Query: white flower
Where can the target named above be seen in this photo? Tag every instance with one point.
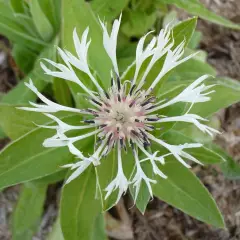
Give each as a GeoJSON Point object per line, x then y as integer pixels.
{"type": "Point", "coordinates": [122, 116]}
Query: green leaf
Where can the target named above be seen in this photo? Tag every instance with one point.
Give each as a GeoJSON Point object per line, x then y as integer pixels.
{"type": "Point", "coordinates": [52, 178]}
{"type": "Point", "coordinates": [28, 212]}
{"type": "Point", "coordinates": [62, 92]}
{"type": "Point", "coordinates": [108, 9]}
{"type": "Point", "coordinates": [17, 6]}
{"type": "Point", "coordinates": [2, 133]}
{"type": "Point", "coordinates": [79, 207]}
{"type": "Point", "coordinates": [183, 31]}
{"type": "Point", "coordinates": [23, 57]}
{"type": "Point", "coordinates": [194, 7]}
{"type": "Point", "coordinates": [80, 15]}
{"type": "Point", "coordinates": [137, 23]}
{"type": "Point", "coordinates": [14, 31]}
{"type": "Point", "coordinates": [20, 163]}
{"type": "Point", "coordinates": [26, 22]}
{"type": "Point", "coordinates": [191, 69]}
{"type": "Point", "coordinates": [16, 123]}
{"type": "Point", "coordinates": [42, 23]}
{"type": "Point", "coordinates": [52, 10]}
{"type": "Point", "coordinates": [21, 94]}
{"type": "Point", "coordinates": [183, 190]}
{"type": "Point", "coordinates": [99, 228]}
{"type": "Point", "coordinates": [195, 40]}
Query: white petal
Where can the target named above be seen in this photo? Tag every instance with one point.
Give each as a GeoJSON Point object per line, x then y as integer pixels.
{"type": "Point", "coordinates": [192, 94]}
{"type": "Point", "coordinates": [120, 180]}
{"type": "Point", "coordinates": [49, 142]}
{"type": "Point", "coordinates": [191, 118]}
{"type": "Point", "coordinates": [177, 150]}
{"type": "Point", "coordinates": [75, 151]}
{"type": "Point", "coordinates": [171, 61]}
{"type": "Point", "coordinates": [142, 55]}
{"type": "Point", "coordinates": [79, 171]}
{"type": "Point", "coordinates": [110, 42]}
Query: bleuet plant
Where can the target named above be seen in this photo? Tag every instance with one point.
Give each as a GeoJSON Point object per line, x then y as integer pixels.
{"type": "Point", "coordinates": [122, 123]}
{"type": "Point", "coordinates": [135, 127]}
{"type": "Point", "coordinates": [126, 116]}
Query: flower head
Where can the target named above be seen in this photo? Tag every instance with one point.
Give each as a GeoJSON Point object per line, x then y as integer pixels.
{"type": "Point", "coordinates": [123, 116]}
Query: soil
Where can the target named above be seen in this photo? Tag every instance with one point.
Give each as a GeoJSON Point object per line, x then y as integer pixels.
{"type": "Point", "coordinates": [161, 221]}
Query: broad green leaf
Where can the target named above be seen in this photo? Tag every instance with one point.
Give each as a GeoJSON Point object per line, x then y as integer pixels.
{"type": "Point", "coordinates": [183, 190]}
{"type": "Point", "coordinates": [137, 23]}
{"type": "Point", "coordinates": [42, 23]}
{"type": "Point", "coordinates": [14, 31]}
{"type": "Point", "coordinates": [79, 207]}
{"type": "Point", "coordinates": [26, 22]}
{"type": "Point", "coordinates": [126, 52]}
{"type": "Point", "coordinates": [78, 13]}
{"type": "Point", "coordinates": [108, 9]}
{"type": "Point", "coordinates": [16, 123]}
{"type": "Point", "coordinates": [52, 10]}
{"type": "Point", "coordinates": [196, 8]}
{"type": "Point", "coordinates": [20, 163]}
{"type": "Point", "coordinates": [195, 40]}
{"type": "Point", "coordinates": [17, 6]}
{"type": "Point", "coordinates": [17, 34]}
{"type": "Point", "coordinates": [191, 69]}
{"type": "Point", "coordinates": [24, 58]}
{"type": "Point", "coordinates": [99, 228]}
{"type": "Point", "coordinates": [61, 92]}
{"type": "Point", "coordinates": [205, 154]}
{"type": "Point", "coordinates": [28, 212]}
{"type": "Point", "coordinates": [2, 134]}
{"type": "Point", "coordinates": [21, 94]}
{"type": "Point", "coordinates": [52, 178]}
{"type": "Point", "coordinates": [183, 31]}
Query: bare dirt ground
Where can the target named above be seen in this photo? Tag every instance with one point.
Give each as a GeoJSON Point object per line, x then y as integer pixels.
{"type": "Point", "coordinates": [161, 221]}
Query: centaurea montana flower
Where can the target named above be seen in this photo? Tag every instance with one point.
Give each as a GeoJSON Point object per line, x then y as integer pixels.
{"type": "Point", "coordinates": [123, 116]}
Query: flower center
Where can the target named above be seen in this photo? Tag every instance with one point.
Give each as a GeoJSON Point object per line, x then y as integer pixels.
{"type": "Point", "coordinates": [122, 115]}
